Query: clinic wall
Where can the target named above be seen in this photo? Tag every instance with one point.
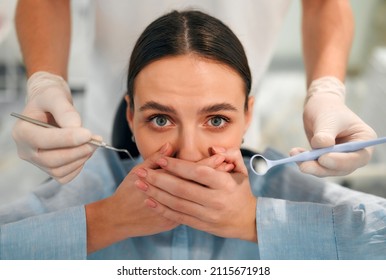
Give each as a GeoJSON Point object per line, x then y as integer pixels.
{"type": "Point", "coordinates": [369, 25]}
{"type": "Point", "coordinates": [367, 13]}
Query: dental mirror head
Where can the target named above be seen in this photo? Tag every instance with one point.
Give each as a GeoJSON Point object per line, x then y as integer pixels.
{"type": "Point", "coordinates": [259, 164]}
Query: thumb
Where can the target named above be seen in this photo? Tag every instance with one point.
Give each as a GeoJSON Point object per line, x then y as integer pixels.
{"type": "Point", "coordinates": [65, 114]}
{"type": "Point", "coordinates": [322, 140]}
{"type": "Point", "coordinates": [68, 118]}
{"type": "Point", "coordinates": [325, 131]}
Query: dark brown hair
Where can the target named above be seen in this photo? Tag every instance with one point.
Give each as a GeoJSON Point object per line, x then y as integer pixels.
{"type": "Point", "coordinates": [179, 33]}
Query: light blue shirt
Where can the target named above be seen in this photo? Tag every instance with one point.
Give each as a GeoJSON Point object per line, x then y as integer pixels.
{"type": "Point", "coordinates": [297, 217]}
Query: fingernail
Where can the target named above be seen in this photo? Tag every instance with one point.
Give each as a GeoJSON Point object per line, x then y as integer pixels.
{"type": "Point", "coordinates": [82, 135]}
{"type": "Point", "coordinates": [327, 162]}
{"type": "Point", "coordinates": [229, 167]}
{"type": "Point", "coordinates": [218, 159]}
{"type": "Point", "coordinates": [218, 150]}
{"type": "Point", "coordinates": [141, 185]}
{"type": "Point", "coordinates": [164, 148]}
{"type": "Point", "coordinates": [162, 162]}
{"type": "Point", "coordinates": [140, 172]}
{"type": "Point", "coordinates": [151, 203]}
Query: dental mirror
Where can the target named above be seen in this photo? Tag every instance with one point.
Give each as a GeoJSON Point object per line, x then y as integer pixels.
{"type": "Point", "coordinates": [261, 165]}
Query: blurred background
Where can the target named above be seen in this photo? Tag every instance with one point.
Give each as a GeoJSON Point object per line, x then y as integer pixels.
{"type": "Point", "coordinates": [280, 96]}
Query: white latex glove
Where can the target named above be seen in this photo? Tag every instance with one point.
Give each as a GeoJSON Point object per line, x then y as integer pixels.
{"type": "Point", "coordinates": [328, 121]}
{"type": "Point", "coordinates": [61, 152]}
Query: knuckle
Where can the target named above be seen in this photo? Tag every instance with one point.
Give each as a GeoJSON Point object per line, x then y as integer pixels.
{"type": "Point", "coordinates": [34, 157]}
{"type": "Point", "coordinates": [217, 204]}
{"type": "Point", "coordinates": [71, 138]}
{"type": "Point", "coordinates": [57, 172]}
{"type": "Point", "coordinates": [181, 191]}
{"type": "Point", "coordinates": [60, 180]}
{"type": "Point", "coordinates": [213, 217]}
{"type": "Point", "coordinates": [63, 180]}
{"type": "Point", "coordinates": [202, 171]}
{"type": "Point", "coordinates": [178, 206]}
{"type": "Point", "coordinates": [23, 155]}
{"type": "Point", "coordinates": [180, 219]}
{"type": "Point", "coordinates": [42, 159]}
{"type": "Point", "coordinates": [152, 178]}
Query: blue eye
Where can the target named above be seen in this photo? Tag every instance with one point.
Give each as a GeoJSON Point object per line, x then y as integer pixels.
{"type": "Point", "coordinates": [160, 121]}
{"type": "Point", "coordinates": [218, 122]}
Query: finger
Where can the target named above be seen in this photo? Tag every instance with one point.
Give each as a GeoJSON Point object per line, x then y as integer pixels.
{"type": "Point", "coordinates": [65, 170]}
{"type": "Point", "coordinates": [218, 163]}
{"type": "Point", "coordinates": [213, 161]}
{"type": "Point", "coordinates": [323, 139]}
{"type": "Point", "coordinates": [69, 177]}
{"type": "Point", "coordinates": [60, 157]}
{"type": "Point", "coordinates": [226, 167]}
{"type": "Point", "coordinates": [325, 130]}
{"type": "Point", "coordinates": [297, 150]}
{"type": "Point", "coordinates": [176, 203]}
{"type": "Point", "coordinates": [336, 164]}
{"type": "Point", "coordinates": [176, 216]}
{"type": "Point", "coordinates": [233, 156]}
{"type": "Point", "coordinates": [60, 107]}
{"type": "Point", "coordinates": [175, 186]}
{"type": "Point", "coordinates": [188, 170]}
{"type": "Point", "coordinates": [346, 162]}
{"type": "Point", "coordinates": [151, 162]}
{"type": "Point", "coordinates": [50, 138]}
{"type": "Point", "coordinates": [314, 168]}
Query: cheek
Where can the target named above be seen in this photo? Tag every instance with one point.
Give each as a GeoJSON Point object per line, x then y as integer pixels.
{"type": "Point", "coordinates": [230, 139]}
{"type": "Point", "coordinates": [150, 142]}
{"type": "Point", "coordinates": [145, 147]}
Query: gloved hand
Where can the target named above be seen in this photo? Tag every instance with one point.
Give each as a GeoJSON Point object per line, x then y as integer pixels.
{"type": "Point", "coordinates": [60, 152]}
{"type": "Point", "coordinates": [328, 121]}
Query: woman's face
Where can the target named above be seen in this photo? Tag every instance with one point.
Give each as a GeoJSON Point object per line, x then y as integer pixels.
{"type": "Point", "coordinates": [190, 102]}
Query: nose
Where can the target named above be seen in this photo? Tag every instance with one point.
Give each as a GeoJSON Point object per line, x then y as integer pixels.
{"type": "Point", "coordinates": [189, 146]}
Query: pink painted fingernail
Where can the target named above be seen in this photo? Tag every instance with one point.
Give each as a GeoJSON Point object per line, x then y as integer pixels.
{"type": "Point", "coordinates": [151, 203]}
{"type": "Point", "coordinates": [229, 167]}
{"type": "Point", "coordinates": [162, 162]}
{"type": "Point", "coordinates": [141, 185]}
{"type": "Point", "coordinates": [164, 148]}
{"type": "Point", "coordinates": [218, 159]}
{"type": "Point", "coordinates": [219, 150]}
{"type": "Point", "coordinates": [140, 172]}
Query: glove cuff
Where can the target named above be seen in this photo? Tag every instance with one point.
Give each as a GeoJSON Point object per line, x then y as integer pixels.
{"type": "Point", "coordinates": [326, 85]}
{"type": "Point", "coordinates": [40, 81]}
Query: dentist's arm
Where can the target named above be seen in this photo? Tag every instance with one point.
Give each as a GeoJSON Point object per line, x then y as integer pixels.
{"type": "Point", "coordinates": [44, 30]}
{"type": "Point", "coordinates": [327, 27]}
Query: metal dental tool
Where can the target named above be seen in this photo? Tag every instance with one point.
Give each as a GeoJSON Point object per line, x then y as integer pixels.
{"type": "Point", "coordinates": [92, 141]}
{"type": "Point", "coordinates": [260, 165]}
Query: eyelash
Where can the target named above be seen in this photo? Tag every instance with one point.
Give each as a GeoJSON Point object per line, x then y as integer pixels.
{"type": "Point", "coordinates": [152, 118]}
{"type": "Point", "coordinates": [223, 118]}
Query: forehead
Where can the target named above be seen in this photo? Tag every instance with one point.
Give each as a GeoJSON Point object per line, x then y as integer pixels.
{"type": "Point", "coordinates": [190, 77]}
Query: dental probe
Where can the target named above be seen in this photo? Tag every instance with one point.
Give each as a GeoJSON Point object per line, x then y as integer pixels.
{"type": "Point", "coordinates": [92, 141]}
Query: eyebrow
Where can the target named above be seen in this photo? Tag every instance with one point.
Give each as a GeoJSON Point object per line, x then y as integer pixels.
{"type": "Point", "coordinates": [217, 108]}
{"type": "Point", "coordinates": [151, 105]}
